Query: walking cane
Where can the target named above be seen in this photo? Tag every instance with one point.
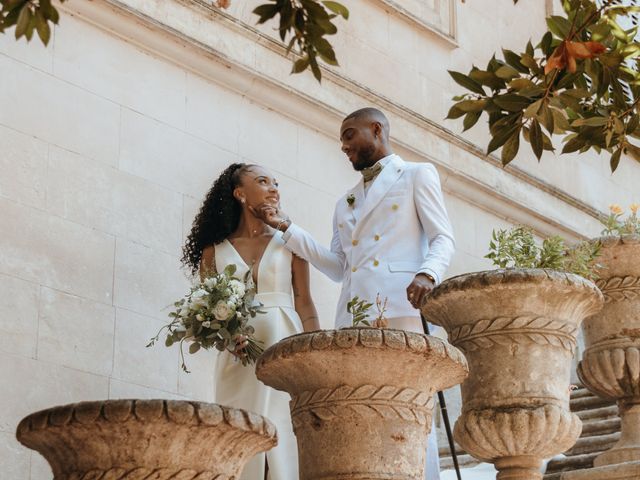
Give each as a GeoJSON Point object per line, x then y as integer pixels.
{"type": "Point", "coordinates": [445, 415]}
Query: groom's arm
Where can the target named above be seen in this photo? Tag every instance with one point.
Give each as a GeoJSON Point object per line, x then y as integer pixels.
{"type": "Point", "coordinates": [331, 262]}
{"type": "Point", "coordinates": [435, 222]}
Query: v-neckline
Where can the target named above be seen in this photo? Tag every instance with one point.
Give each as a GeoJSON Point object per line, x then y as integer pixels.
{"type": "Point", "coordinates": [258, 263]}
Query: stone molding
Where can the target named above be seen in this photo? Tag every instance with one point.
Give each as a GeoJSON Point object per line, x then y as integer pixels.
{"type": "Point", "coordinates": [144, 473]}
{"type": "Point", "coordinates": [388, 402]}
{"type": "Point", "coordinates": [172, 411]}
{"type": "Point", "coordinates": [121, 18]}
{"type": "Point", "coordinates": [541, 431]}
{"type": "Point", "coordinates": [360, 337]}
{"type": "Point", "coordinates": [611, 368]}
{"type": "Point", "coordinates": [446, 32]}
{"type": "Point", "coordinates": [518, 330]}
{"type": "Point", "coordinates": [617, 289]}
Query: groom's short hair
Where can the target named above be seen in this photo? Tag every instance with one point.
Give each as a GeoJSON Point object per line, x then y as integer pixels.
{"type": "Point", "coordinates": [373, 115]}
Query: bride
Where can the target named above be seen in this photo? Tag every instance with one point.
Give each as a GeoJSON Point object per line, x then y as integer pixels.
{"type": "Point", "coordinates": [225, 231]}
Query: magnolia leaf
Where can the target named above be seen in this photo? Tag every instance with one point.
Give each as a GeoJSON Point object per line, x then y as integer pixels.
{"type": "Point", "coordinates": [337, 8]}
{"type": "Point", "coordinates": [511, 148]}
{"type": "Point", "coordinates": [514, 60]}
{"type": "Point", "coordinates": [501, 137]}
{"type": "Point", "coordinates": [24, 18]}
{"type": "Point", "coordinates": [471, 105]}
{"type": "Point", "coordinates": [535, 138]}
{"type": "Point", "coordinates": [559, 26]}
{"type": "Point", "coordinates": [590, 122]}
{"type": "Point", "coordinates": [533, 109]}
{"type": "Point", "coordinates": [455, 112]}
{"type": "Point", "coordinates": [300, 65]}
{"type": "Point", "coordinates": [194, 347]}
{"type": "Point", "coordinates": [574, 145]}
{"type": "Point", "coordinates": [511, 102]}
{"type": "Point", "coordinates": [615, 159]}
{"type": "Point", "coordinates": [545, 117]}
{"type": "Point", "coordinates": [633, 151]}
{"type": "Point", "coordinates": [470, 120]}
{"type": "Point", "coordinates": [507, 73]}
{"type": "Point", "coordinates": [467, 82]}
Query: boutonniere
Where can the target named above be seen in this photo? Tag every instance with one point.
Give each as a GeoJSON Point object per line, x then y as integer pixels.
{"type": "Point", "coordinates": [351, 199]}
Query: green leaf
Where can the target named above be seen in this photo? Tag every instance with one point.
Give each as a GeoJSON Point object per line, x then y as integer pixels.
{"type": "Point", "coordinates": [533, 109]}
{"type": "Point", "coordinates": [466, 82]}
{"type": "Point", "coordinates": [326, 51]}
{"type": "Point", "coordinates": [507, 73]}
{"type": "Point", "coordinates": [615, 159]}
{"type": "Point", "coordinates": [266, 12]}
{"type": "Point", "coordinates": [194, 347]}
{"type": "Point", "coordinates": [559, 26]}
{"type": "Point", "coordinates": [545, 117]}
{"type": "Point", "coordinates": [511, 102]}
{"type": "Point", "coordinates": [470, 120]}
{"type": "Point", "coordinates": [535, 138]}
{"type": "Point", "coordinates": [590, 122]}
{"type": "Point", "coordinates": [501, 137]}
{"type": "Point", "coordinates": [487, 78]}
{"type": "Point", "coordinates": [23, 21]}
{"type": "Point", "coordinates": [514, 60]}
{"type": "Point", "coordinates": [471, 105]}
{"type": "Point", "coordinates": [574, 145]}
{"type": "Point", "coordinates": [337, 8]}
{"type": "Point", "coordinates": [300, 65]}
{"type": "Point", "coordinates": [454, 112]}
{"type": "Point", "coordinates": [511, 148]}
{"type": "Point", "coordinates": [42, 27]}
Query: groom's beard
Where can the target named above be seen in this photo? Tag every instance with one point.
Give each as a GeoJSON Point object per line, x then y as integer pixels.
{"type": "Point", "coordinates": [364, 158]}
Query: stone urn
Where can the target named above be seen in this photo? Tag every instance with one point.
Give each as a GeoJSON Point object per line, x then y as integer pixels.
{"type": "Point", "coordinates": [610, 365]}
{"type": "Point", "coordinates": [136, 439]}
{"type": "Point", "coordinates": [361, 399]}
{"type": "Point", "coordinates": [517, 329]}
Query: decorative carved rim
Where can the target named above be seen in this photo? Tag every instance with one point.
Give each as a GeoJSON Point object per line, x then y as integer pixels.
{"type": "Point", "coordinates": [389, 402]}
{"type": "Point", "coordinates": [617, 289]}
{"type": "Point", "coordinates": [509, 330]}
{"type": "Point", "coordinates": [119, 411]}
{"type": "Point", "coordinates": [144, 473]}
{"type": "Point", "coordinates": [614, 240]}
{"type": "Point", "coordinates": [510, 276]}
{"type": "Point", "coordinates": [360, 337]}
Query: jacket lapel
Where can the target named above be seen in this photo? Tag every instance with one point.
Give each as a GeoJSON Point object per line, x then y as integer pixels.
{"type": "Point", "coordinates": [381, 185]}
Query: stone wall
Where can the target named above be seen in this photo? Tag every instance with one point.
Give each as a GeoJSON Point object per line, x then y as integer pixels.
{"type": "Point", "coordinates": [113, 133]}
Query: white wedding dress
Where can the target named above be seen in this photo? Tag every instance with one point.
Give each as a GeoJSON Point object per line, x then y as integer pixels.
{"type": "Point", "coordinates": [237, 385]}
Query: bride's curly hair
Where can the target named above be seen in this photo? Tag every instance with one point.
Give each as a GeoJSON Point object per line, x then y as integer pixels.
{"type": "Point", "coordinates": [218, 217]}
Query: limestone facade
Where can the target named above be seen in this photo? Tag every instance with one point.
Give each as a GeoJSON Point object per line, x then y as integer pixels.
{"type": "Point", "coordinates": [113, 133]}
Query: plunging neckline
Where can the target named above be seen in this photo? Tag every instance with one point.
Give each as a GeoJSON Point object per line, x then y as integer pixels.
{"type": "Point", "coordinates": [255, 279]}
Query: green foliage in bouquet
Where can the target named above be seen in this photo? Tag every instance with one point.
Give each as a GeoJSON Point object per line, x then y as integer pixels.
{"type": "Point", "coordinates": [517, 248]}
{"type": "Point", "coordinates": [359, 310]}
{"type": "Point", "coordinates": [616, 225]}
{"type": "Point", "coordinates": [216, 313]}
{"type": "Point", "coordinates": [581, 81]}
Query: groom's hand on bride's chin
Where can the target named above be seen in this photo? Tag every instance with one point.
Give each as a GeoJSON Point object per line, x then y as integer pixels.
{"type": "Point", "coordinates": [269, 214]}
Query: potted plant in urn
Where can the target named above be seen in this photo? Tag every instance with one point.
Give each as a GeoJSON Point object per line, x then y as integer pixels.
{"type": "Point", "coordinates": [362, 397]}
{"type": "Point", "coordinates": [517, 327]}
{"type": "Point", "coordinates": [610, 365]}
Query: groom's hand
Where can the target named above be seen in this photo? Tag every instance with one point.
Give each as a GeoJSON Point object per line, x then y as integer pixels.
{"type": "Point", "coordinates": [419, 287]}
{"type": "Point", "coordinates": [272, 216]}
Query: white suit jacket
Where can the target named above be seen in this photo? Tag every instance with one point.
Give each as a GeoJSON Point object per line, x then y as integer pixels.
{"type": "Point", "coordinates": [383, 240]}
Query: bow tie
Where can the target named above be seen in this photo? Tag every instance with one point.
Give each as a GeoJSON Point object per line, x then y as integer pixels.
{"type": "Point", "coordinates": [371, 172]}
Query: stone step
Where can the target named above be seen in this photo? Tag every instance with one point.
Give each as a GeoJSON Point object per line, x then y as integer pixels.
{"type": "Point", "coordinates": [580, 393]}
{"type": "Point", "coordinates": [575, 462]}
{"type": "Point", "coordinates": [601, 413]}
{"type": "Point", "coordinates": [601, 427]}
{"type": "Point", "coordinates": [589, 403]}
{"type": "Point", "coordinates": [593, 444]}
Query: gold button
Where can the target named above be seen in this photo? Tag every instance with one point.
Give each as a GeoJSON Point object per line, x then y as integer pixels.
{"type": "Point", "coordinates": [340, 225]}
{"type": "Point", "coordinates": [376, 238]}
{"type": "Point", "coordinates": [354, 269]}
{"type": "Point", "coordinates": [376, 263]}
{"type": "Point", "coordinates": [395, 206]}
{"type": "Point", "coordinates": [354, 242]}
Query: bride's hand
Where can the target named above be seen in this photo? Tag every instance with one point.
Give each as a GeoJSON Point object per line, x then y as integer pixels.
{"type": "Point", "coordinates": [241, 344]}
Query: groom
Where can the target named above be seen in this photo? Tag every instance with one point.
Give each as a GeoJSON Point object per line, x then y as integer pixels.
{"type": "Point", "coordinates": [391, 233]}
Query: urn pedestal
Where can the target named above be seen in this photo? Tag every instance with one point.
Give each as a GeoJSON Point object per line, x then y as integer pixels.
{"type": "Point", "coordinates": [610, 365]}
{"type": "Point", "coordinates": [150, 439]}
{"type": "Point", "coordinates": [361, 399]}
{"type": "Point", "coordinates": [517, 329]}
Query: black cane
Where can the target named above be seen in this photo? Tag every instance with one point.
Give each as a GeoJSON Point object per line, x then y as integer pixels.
{"type": "Point", "coordinates": [445, 415]}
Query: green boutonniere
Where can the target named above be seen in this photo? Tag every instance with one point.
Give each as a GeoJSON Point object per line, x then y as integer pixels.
{"type": "Point", "coordinates": [351, 199]}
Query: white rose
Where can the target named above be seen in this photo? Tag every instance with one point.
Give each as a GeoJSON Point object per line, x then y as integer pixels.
{"type": "Point", "coordinates": [184, 310]}
{"type": "Point", "coordinates": [210, 282]}
{"type": "Point", "coordinates": [199, 317]}
{"type": "Point", "coordinates": [222, 311]}
{"type": "Point", "coordinates": [234, 300]}
{"type": "Point", "coordinates": [206, 324]}
{"type": "Point", "coordinates": [237, 287]}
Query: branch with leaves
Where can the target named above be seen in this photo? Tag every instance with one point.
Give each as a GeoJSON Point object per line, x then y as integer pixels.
{"type": "Point", "coordinates": [581, 82]}
{"type": "Point", "coordinates": [303, 24]}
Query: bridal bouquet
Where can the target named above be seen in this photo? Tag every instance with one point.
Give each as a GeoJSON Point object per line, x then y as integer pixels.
{"type": "Point", "coordinates": [216, 314]}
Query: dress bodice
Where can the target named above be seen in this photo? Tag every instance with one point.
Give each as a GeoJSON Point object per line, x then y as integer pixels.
{"type": "Point", "coordinates": [273, 270]}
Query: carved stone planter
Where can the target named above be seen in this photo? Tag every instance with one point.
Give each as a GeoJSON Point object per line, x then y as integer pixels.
{"type": "Point", "coordinates": [517, 329]}
{"type": "Point", "coordinates": [362, 399]}
{"type": "Point", "coordinates": [610, 366]}
{"type": "Point", "coordinates": [136, 439]}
